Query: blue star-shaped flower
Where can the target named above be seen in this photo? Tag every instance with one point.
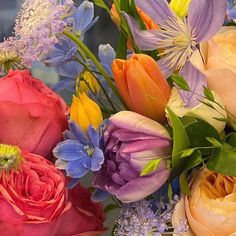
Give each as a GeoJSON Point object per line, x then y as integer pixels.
{"type": "Point", "coordinates": [79, 153]}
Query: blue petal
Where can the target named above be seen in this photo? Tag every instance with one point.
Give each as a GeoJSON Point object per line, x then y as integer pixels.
{"type": "Point", "coordinates": [72, 183]}
{"type": "Point", "coordinates": [97, 160]}
{"type": "Point", "coordinates": [99, 195]}
{"type": "Point", "coordinates": [76, 169]}
{"type": "Point", "coordinates": [83, 16]}
{"type": "Point", "coordinates": [76, 133]}
{"type": "Point", "coordinates": [70, 69]}
{"type": "Point", "coordinates": [93, 135]}
{"type": "Point", "coordinates": [65, 84]}
{"type": "Point", "coordinates": [70, 150]}
{"type": "Point", "coordinates": [106, 55]}
{"type": "Point", "coordinates": [91, 24]}
{"type": "Point", "coordinates": [87, 162]}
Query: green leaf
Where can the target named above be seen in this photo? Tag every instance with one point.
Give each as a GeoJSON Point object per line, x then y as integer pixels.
{"type": "Point", "coordinates": [184, 184]}
{"type": "Point", "coordinates": [170, 192]}
{"type": "Point", "coordinates": [223, 160]}
{"type": "Point", "coordinates": [110, 207]}
{"type": "Point", "coordinates": [208, 94]}
{"type": "Point", "coordinates": [187, 152]}
{"type": "Point", "coordinates": [150, 167]}
{"type": "Point", "coordinates": [214, 142]}
{"type": "Point", "coordinates": [180, 139]}
{"type": "Point", "coordinates": [231, 139]}
{"type": "Point", "coordinates": [180, 81]}
{"type": "Point", "coordinates": [197, 133]}
{"type": "Point", "coordinates": [102, 4]}
{"type": "Point", "coordinates": [194, 160]}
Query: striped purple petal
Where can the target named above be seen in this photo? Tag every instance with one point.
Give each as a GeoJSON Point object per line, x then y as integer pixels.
{"type": "Point", "coordinates": [205, 17]}
{"type": "Point", "coordinates": [196, 80]}
{"type": "Point", "coordinates": [158, 10]}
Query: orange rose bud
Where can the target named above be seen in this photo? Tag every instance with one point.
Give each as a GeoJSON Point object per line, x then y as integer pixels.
{"type": "Point", "coordinates": [142, 85]}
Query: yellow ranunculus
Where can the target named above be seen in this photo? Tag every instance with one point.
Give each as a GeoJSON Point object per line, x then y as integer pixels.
{"type": "Point", "coordinates": [180, 7]}
{"type": "Point", "coordinates": [88, 83]}
{"type": "Point", "coordinates": [85, 112]}
{"type": "Point", "coordinates": [211, 208]}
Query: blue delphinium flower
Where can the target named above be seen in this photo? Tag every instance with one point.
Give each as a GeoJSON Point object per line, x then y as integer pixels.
{"type": "Point", "coordinates": [79, 153]}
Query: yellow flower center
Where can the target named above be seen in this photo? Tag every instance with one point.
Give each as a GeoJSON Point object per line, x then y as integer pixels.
{"type": "Point", "coordinates": [10, 157]}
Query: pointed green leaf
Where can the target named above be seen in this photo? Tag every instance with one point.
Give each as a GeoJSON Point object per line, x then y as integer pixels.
{"type": "Point", "coordinates": [180, 82]}
{"type": "Point", "coordinates": [223, 160]}
{"type": "Point", "coordinates": [184, 184]}
{"type": "Point", "coordinates": [150, 167]}
{"type": "Point", "coordinates": [214, 142]}
{"type": "Point", "coordinates": [187, 152]}
{"type": "Point", "coordinates": [208, 94]}
{"type": "Point", "coordinates": [102, 4]}
{"type": "Point", "coordinates": [180, 139]}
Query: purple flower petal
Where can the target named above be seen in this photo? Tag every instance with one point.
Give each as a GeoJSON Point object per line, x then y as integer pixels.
{"type": "Point", "coordinates": [142, 187]}
{"type": "Point", "coordinates": [196, 80]}
{"type": "Point", "coordinates": [145, 39]}
{"type": "Point", "coordinates": [158, 10]}
{"type": "Point", "coordinates": [164, 68]}
{"type": "Point", "coordinates": [205, 17]}
{"type": "Point", "coordinates": [137, 123]}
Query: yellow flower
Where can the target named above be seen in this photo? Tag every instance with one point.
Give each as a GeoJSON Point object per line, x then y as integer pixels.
{"type": "Point", "coordinates": [88, 83]}
{"type": "Point", "coordinates": [85, 112]}
{"type": "Point", "coordinates": [180, 7]}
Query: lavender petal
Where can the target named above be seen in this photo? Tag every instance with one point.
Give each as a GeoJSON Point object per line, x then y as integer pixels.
{"type": "Point", "coordinates": [205, 17]}
{"type": "Point", "coordinates": [158, 10]}
{"type": "Point", "coordinates": [196, 81]}
{"type": "Point", "coordinates": [145, 39]}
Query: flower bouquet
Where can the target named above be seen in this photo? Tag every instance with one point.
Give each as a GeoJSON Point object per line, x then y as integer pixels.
{"type": "Point", "coordinates": [154, 121]}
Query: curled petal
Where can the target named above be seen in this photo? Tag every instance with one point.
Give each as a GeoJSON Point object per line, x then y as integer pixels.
{"type": "Point", "coordinates": [137, 123]}
{"type": "Point", "coordinates": [205, 17]}
{"type": "Point", "coordinates": [141, 187]}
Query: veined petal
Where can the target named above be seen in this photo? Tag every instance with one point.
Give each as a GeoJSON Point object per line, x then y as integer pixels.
{"type": "Point", "coordinates": [75, 169]}
{"type": "Point", "coordinates": [93, 136]}
{"type": "Point", "coordinates": [145, 39]}
{"type": "Point", "coordinates": [158, 10]}
{"type": "Point", "coordinates": [70, 150]}
{"type": "Point", "coordinates": [196, 80]}
{"type": "Point", "coordinates": [205, 17]}
{"type": "Point", "coordinates": [180, 7]}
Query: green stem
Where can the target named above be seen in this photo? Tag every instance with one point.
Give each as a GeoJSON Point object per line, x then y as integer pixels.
{"type": "Point", "coordinates": [90, 55]}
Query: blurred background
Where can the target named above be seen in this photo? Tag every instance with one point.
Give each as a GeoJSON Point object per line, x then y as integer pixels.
{"type": "Point", "coordinates": [102, 33]}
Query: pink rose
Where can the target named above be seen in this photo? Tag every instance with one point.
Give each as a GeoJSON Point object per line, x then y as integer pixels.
{"type": "Point", "coordinates": [32, 116]}
{"type": "Point", "coordinates": [35, 202]}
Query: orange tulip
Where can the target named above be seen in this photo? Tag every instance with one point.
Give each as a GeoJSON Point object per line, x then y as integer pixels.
{"type": "Point", "coordinates": [142, 85]}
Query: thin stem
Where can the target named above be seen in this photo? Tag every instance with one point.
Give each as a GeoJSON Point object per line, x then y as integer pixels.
{"type": "Point", "coordinates": [90, 55]}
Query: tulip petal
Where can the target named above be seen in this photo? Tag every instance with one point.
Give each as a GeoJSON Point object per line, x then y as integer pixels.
{"type": "Point", "coordinates": [205, 17]}
{"type": "Point", "coordinates": [137, 123]}
{"type": "Point", "coordinates": [158, 10]}
{"type": "Point", "coordinates": [196, 81]}
{"type": "Point", "coordinates": [142, 187]}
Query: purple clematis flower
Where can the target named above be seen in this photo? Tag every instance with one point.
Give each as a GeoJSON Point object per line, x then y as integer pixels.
{"type": "Point", "coordinates": [177, 37]}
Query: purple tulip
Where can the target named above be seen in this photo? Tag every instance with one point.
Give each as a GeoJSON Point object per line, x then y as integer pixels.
{"type": "Point", "coordinates": [131, 141]}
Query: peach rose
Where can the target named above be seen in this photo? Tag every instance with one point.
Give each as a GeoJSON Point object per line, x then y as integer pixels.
{"type": "Point", "coordinates": [211, 208]}
{"type": "Point", "coordinates": [219, 66]}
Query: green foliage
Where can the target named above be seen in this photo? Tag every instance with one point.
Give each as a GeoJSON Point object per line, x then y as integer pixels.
{"type": "Point", "coordinates": [102, 4]}
{"type": "Point", "coordinates": [150, 167]}
{"type": "Point", "coordinates": [184, 184]}
{"type": "Point", "coordinates": [223, 160]}
{"type": "Point", "coordinates": [180, 82]}
{"type": "Point", "coordinates": [208, 94]}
